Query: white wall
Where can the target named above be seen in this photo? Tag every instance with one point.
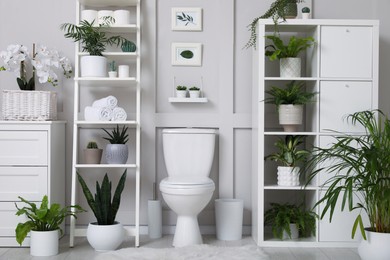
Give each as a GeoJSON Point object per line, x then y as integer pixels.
{"type": "Point", "coordinates": [226, 73]}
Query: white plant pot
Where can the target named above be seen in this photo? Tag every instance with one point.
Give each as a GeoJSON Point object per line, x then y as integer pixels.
{"type": "Point", "coordinates": [375, 247]}
{"type": "Point", "coordinates": [44, 243]}
{"type": "Point", "coordinates": [288, 176]}
{"type": "Point", "coordinates": [117, 153]}
{"type": "Point", "coordinates": [93, 66]}
{"type": "Point", "coordinates": [290, 117]}
{"type": "Point", "coordinates": [305, 15]}
{"type": "Point", "coordinates": [122, 17]}
{"type": "Point", "coordinates": [194, 93]}
{"type": "Point", "coordinates": [105, 237]}
{"type": "Point", "coordinates": [294, 232]}
{"type": "Point", "coordinates": [113, 74]}
{"type": "Point", "coordinates": [181, 93]}
{"type": "Point", "coordinates": [290, 67]}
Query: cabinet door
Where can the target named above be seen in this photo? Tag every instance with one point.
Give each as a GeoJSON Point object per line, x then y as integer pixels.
{"type": "Point", "coordinates": [9, 220]}
{"type": "Point", "coordinates": [23, 148]}
{"type": "Point", "coordinates": [338, 99]}
{"type": "Point", "coordinates": [346, 51]}
{"type": "Point", "coordinates": [27, 182]}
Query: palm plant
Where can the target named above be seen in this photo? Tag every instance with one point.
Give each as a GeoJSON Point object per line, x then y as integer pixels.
{"type": "Point", "coordinates": [117, 136]}
{"type": "Point", "coordinates": [93, 39]}
{"type": "Point", "coordinates": [292, 94]}
{"type": "Point", "coordinates": [103, 207]}
{"type": "Point", "coordinates": [361, 167]}
{"type": "Point", "coordinates": [279, 50]}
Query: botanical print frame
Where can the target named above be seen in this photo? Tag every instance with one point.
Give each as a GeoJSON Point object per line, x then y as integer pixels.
{"type": "Point", "coordinates": [186, 19]}
{"type": "Point", "coordinates": [186, 54]}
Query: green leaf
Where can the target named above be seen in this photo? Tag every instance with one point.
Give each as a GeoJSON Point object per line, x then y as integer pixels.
{"type": "Point", "coordinates": [187, 54]}
{"type": "Point", "coordinates": [22, 230]}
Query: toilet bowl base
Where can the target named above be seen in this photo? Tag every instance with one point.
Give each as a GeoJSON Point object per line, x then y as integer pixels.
{"type": "Point", "coordinates": [187, 231]}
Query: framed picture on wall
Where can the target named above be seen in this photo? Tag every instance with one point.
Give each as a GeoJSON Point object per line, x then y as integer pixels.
{"type": "Point", "coordinates": [186, 19]}
{"type": "Point", "coordinates": [186, 54]}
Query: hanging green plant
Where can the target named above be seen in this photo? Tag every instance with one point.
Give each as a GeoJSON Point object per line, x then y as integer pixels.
{"type": "Point", "coordinates": [187, 54]}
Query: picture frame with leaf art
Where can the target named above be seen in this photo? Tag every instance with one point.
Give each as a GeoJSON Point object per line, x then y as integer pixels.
{"type": "Point", "coordinates": [186, 19]}
{"type": "Point", "coordinates": [186, 54]}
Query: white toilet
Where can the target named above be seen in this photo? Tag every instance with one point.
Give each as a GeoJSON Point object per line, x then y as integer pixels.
{"type": "Point", "coordinates": [188, 154]}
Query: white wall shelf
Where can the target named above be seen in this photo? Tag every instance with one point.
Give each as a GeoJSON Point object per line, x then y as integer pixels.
{"type": "Point", "coordinates": [187, 100]}
{"type": "Point", "coordinates": [105, 166]}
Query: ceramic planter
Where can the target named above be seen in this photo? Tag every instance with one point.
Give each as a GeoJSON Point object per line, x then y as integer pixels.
{"type": "Point", "coordinates": [181, 93]}
{"type": "Point", "coordinates": [288, 176]}
{"type": "Point", "coordinates": [194, 93]}
{"type": "Point", "coordinates": [44, 243]}
{"type": "Point", "coordinates": [290, 117]}
{"type": "Point", "coordinates": [291, 10]}
{"type": "Point", "coordinates": [113, 74]}
{"type": "Point", "coordinates": [294, 232]}
{"type": "Point", "coordinates": [92, 156]}
{"type": "Point", "coordinates": [93, 66]}
{"type": "Point", "coordinates": [375, 247]}
{"type": "Point", "coordinates": [117, 153]}
{"type": "Point", "coordinates": [105, 237]}
{"type": "Point", "coordinates": [290, 67]}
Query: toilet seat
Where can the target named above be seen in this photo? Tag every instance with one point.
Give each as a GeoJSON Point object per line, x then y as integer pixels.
{"type": "Point", "coordinates": [186, 185]}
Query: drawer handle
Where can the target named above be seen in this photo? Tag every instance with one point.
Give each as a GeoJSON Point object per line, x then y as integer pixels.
{"type": "Point", "coordinates": [346, 85]}
{"type": "Point", "coordinates": [347, 30]}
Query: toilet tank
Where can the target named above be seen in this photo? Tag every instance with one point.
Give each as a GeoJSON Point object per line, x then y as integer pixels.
{"type": "Point", "coordinates": [188, 151]}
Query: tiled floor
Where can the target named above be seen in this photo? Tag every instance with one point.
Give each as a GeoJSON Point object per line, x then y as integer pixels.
{"type": "Point", "coordinates": [83, 251]}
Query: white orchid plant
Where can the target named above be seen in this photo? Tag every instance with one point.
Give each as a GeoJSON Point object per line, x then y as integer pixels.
{"type": "Point", "coordinates": [45, 63]}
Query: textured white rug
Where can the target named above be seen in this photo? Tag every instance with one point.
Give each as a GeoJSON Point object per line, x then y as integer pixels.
{"type": "Point", "coordinates": [196, 252]}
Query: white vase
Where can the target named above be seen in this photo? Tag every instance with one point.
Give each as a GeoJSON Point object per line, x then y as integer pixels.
{"type": "Point", "coordinates": [93, 66]}
{"type": "Point", "coordinates": [123, 71]}
{"type": "Point", "coordinates": [117, 153]}
{"type": "Point", "coordinates": [290, 67]}
{"type": "Point", "coordinates": [290, 117]}
{"type": "Point", "coordinates": [294, 232]}
{"type": "Point", "coordinates": [288, 176]}
{"type": "Point", "coordinates": [105, 237]}
{"type": "Point", "coordinates": [377, 246]}
{"type": "Point", "coordinates": [44, 243]}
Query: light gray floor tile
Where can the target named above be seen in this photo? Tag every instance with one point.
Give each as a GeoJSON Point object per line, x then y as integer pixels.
{"type": "Point", "coordinates": [340, 253]}
{"type": "Point", "coordinates": [308, 254]}
{"type": "Point", "coordinates": [277, 253]}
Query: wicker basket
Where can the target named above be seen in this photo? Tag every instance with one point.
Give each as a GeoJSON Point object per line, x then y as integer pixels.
{"type": "Point", "coordinates": [29, 105]}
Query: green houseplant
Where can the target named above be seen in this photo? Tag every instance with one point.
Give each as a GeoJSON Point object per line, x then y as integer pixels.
{"type": "Point", "coordinates": [194, 92]}
{"type": "Point", "coordinates": [92, 154]}
{"type": "Point", "coordinates": [181, 91]}
{"type": "Point", "coordinates": [94, 41]}
{"type": "Point", "coordinates": [106, 233]}
{"type": "Point", "coordinates": [290, 221]}
{"type": "Point", "coordinates": [43, 221]}
{"type": "Point", "coordinates": [290, 154]}
{"type": "Point", "coordinates": [289, 103]}
{"type": "Point", "coordinates": [117, 151]}
{"type": "Point", "coordinates": [359, 176]}
{"type": "Point", "coordinates": [279, 10]}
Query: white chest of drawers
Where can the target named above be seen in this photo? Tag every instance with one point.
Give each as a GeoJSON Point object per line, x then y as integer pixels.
{"type": "Point", "coordinates": [32, 164]}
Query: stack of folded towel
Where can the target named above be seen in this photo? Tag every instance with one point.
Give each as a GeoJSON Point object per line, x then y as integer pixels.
{"type": "Point", "coordinates": [105, 109]}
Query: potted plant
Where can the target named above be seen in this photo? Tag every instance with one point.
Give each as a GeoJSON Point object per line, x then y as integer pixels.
{"type": "Point", "coordinates": [279, 10]}
{"type": "Point", "coordinates": [105, 234]}
{"type": "Point", "coordinates": [92, 154]}
{"type": "Point", "coordinates": [43, 224]}
{"type": "Point", "coordinates": [181, 91]}
{"type": "Point", "coordinates": [360, 177]}
{"type": "Point", "coordinates": [305, 12]}
{"type": "Point", "coordinates": [290, 221]}
{"type": "Point", "coordinates": [290, 156]}
{"type": "Point", "coordinates": [289, 102]}
{"type": "Point", "coordinates": [112, 73]}
{"type": "Point", "coordinates": [93, 40]}
{"type": "Point", "coordinates": [287, 54]}
{"type": "Point", "coordinates": [117, 151]}
{"type": "Point", "coordinates": [194, 92]}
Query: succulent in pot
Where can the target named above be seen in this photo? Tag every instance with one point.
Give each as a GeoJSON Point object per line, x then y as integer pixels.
{"type": "Point", "coordinates": [290, 155]}
{"type": "Point", "coordinates": [112, 73]}
{"type": "Point", "coordinates": [194, 92]}
{"type": "Point", "coordinates": [105, 234]}
{"type": "Point", "coordinates": [92, 154]}
{"type": "Point", "coordinates": [181, 91]}
{"type": "Point", "coordinates": [117, 151]}
{"type": "Point", "coordinates": [43, 224]}
{"type": "Point", "coordinates": [289, 102]}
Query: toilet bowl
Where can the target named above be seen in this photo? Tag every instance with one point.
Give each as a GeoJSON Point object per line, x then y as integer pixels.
{"type": "Point", "coordinates": [187, 189]}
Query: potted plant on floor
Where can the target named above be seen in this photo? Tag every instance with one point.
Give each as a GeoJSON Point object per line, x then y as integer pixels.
{"type": "Point", "coordinates": [105, 234]}
{"type": "Point", "coordinates": [43, 224]}
{"type": "Point", "coordinates": [360, 177]}
{"type": "Point", "coordinates": [92, 154]}
{"type": "Point", "coordinates": [181, 91]}
{"type": "Point", "coordinates": [117, 151]}
{"type": "Point", "coordinates": [279, 10]}
{"type": "Point", "coordinates": [194, 92]}
{"type": "Point", "coordinates": [290, 156]}
{"type": "Point", "coordinates": [289, 102]}
{"type": "Point", "coordinates": [287, 54]}
{"type": "Point", "coordinates": [94, 41]}
{"type": "Point", "coordinates": [290, 221]}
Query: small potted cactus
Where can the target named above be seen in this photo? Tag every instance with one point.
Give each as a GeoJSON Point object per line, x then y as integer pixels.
{"type": "Point", "coordinates": [181, 91]}
{"type": "Point", "coordinates": [194, 92]}
{"type": "Point", "coordinates": [92, 154]}
{"type": "Point", "coordinates": [305, 12]}
{"type": "Point", "coordinates": [112, 73]}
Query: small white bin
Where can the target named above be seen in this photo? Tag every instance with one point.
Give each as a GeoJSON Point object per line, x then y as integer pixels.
{"type": "Point", "coordinates": [228, 218]}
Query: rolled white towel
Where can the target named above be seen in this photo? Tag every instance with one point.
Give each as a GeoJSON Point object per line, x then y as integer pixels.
{"type": "Point", "coordinates": [118, 114]}
{"type": "Point", "coordinates": [97, 113]}
{"type": "Point", "coordinates": [110, 102]}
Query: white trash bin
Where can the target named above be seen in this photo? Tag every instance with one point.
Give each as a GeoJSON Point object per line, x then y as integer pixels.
{"type": "Point", "coordinates": [228, 218]}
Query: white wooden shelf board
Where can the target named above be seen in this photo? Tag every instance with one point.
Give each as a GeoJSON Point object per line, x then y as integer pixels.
{"type": "Point", "coordinates": [187, 100]}
{"type": "Point", "coordinates": [289, 79]}
{"type": "Point", "coordinates": [289, 133]}
{"type": "Point", "coordinates": [276, 187]}
{"type": "Point", "coordinates": [114, 54]}
{"type": "Point", "coordinates": [99, 124]}
{"type": "Point", "coordinates": [106, 82]}
{"type": "Point", "coordinates": [105, 3]}
{"type": "Point", "coordinates": [129, 28]}
{"type": "Point", "coordinates": [86, 166]}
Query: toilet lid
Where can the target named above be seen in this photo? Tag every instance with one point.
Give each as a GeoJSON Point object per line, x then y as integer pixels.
{"type": "Point", "coordinates": [189, 131]}
{"type": "Point", "coordinates": [189, 180]}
